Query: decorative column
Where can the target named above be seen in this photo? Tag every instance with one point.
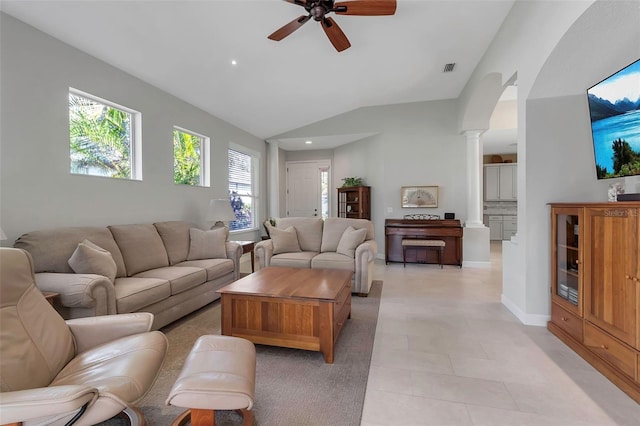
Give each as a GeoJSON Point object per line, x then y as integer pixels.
{"type": "Point", "coordinates": [474, 178]}
{"type": "Point", "coordinates": [273, 171]}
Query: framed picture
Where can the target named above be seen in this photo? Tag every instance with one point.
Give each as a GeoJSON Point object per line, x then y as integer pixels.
{"type": "Point", "coordinates": [419, 196]}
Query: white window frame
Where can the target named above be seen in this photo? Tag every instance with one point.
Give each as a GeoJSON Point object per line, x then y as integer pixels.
{"type": "Point", "coordinates": [205, 167]}
{"type": "Point", "coordinates": [135, 151]}
{"type": "Point", "coordinates": [255, 184]}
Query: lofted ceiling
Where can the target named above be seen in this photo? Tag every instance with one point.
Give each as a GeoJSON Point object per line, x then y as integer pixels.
{"type": "Point", "coordinates": [186, 48]}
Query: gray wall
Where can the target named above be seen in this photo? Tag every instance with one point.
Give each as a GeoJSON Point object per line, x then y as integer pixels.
{"type": "Point", "coordinates": [415, 144]}
{"type": "Point", "coordinates": [559, 151]}
{"type": "Point", "coordinates": [37, 190]}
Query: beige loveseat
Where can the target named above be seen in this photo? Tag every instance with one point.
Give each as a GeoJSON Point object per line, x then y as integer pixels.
{"type": "Point", "coordinates": [165, 268]}
{"type": "Point", "coordinates": [330, 243]}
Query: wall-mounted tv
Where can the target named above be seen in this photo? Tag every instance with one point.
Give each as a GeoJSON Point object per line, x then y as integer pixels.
{"type": "Point", "coordinates": [614, 107]}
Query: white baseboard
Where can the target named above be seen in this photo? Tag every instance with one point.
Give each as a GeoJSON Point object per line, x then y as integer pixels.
{"type": "Point", "coordinates": [526, 319]}
{"type": "Point", "coordinates": [474, 264]}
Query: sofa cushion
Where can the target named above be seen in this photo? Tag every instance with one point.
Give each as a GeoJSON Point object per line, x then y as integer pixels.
{"type": "Point", "coordinates": [180, 279]}
{"type": "Point", "coordinates": [175, 236]}
{"type": "Point", "coordinates": [309, 230]}
{"type": "Point", "coordinates": [52, 248]}
{"type": "Point", "coordinates": [332, 260]}
{"type": "Point", "coordinates": [334, 228]}
{"type": "Point", "coordinates": [350, 240]}
{"type": "Point", "coordinates": [215, 268]}
{"type": "Point", "coordinates": [141, 246]}
{"type": "Point", "coordinates": [133, 294]}
{"type": "Point", "coordinates": [207, 244]}
{"type": "Point", "coordinates": [285, 240]}
{"type": "Point", "coordinates": [300, 259]}
{"type": "Point", "coordinates": [89, 258]}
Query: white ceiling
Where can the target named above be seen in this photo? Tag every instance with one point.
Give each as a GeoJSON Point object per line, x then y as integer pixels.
{"type": "Point", "coordinates": [185, 48]}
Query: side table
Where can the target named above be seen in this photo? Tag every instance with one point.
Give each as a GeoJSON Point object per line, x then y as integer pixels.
{"type": "Point", "coordinates": [247, 247]}
{"type": "Point", "coordinates": [50, 296]}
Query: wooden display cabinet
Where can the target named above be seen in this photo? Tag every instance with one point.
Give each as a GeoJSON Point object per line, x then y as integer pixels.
{"type": "Point", "coordinates": [595, 251]}
{"type": "Point", "coordinates": [354, 202]}
{"type": "Point", "coordinates": [611, 271]}
{"type": "Point", "coordinates": [566, 258]}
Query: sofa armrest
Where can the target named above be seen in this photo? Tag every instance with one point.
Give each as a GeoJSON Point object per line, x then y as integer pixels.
{"type": "Point", "coordinates": [367, 251]}
{"type": "Point", "coordinates": [93, 331]}
{"type": "Point", "coordinates": [87, 292]}
{"type": "Point", "coordinates": [365, 256]}
{"type": "Point", "coordinates": [234, 252]}
{"type": "Point", "coordinates": [263, 252]}
{"type": "Point", "coordinates": [31, 404]}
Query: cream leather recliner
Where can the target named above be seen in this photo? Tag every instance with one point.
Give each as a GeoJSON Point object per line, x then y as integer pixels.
{"type": "Point", "coordinates": [84, 370]}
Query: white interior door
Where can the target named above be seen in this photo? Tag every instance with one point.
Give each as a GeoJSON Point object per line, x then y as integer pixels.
{"type": "Point", "coordinates": [307, 188]}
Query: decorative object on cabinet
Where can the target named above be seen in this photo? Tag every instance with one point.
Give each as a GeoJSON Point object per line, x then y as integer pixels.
{"type": "Point", "coordinates": [421, 216]}
{"type": "Point", "coordinates": [595, 272]}
{"type": "Point", "coordinates": [615, 189]}
{"type": "Point", "coordinates": [354, 202]}
{"type": "Point", "coordinates": [351, 181]}
{"type": "Point", "coordinates": [419, 196]}
{"type": "Point", "coordinates": [629, 197]}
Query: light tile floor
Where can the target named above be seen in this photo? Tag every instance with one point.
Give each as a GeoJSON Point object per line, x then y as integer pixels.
{"type": "Point", "coordinates": [447, 352]}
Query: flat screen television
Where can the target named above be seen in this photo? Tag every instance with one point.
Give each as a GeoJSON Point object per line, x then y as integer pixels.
{"type": "Point", "coordinates": [614, 107]}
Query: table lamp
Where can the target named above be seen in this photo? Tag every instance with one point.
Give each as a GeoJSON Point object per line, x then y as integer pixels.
{"type": "Point", "coordinates": [219, 212]}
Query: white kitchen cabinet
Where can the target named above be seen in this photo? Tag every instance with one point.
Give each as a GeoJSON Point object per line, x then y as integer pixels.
{"type": "Point", "coordinates": [495, 228]}
{"type": "Point", "coordinates": [501, 227]}
{"type": "Point", "coordinates": [501, 182]}
{"type": "Point", "coordinates": [509, 227]}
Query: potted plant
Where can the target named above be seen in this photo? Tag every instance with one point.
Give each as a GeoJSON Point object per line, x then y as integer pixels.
{"type": "Point", "coordinates": [351, 181]}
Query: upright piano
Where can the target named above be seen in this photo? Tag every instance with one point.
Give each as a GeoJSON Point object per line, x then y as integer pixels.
{"type": "Point", "coordinates": [449, 231]}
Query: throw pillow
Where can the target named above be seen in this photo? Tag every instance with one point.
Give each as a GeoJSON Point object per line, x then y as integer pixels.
{"type": "Point", "coordinates": [89, 258]}
{"type": "Point", "coordinates": [207, 244]}
{"type": "Point", "coordinates": [284, 240]}
{"type": "Point", "coordinates": [350, 240]}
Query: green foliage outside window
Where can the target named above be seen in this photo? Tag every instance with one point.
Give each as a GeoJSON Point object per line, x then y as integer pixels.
{"type": "Point", "coordinates": [186, 158]}
{"type": "Point", "coordinates": [100, 138]}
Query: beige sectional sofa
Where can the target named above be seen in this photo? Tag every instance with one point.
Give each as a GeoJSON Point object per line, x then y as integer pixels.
{"type": "Point", "coordinates": [167, 268]}
{"type": "Point", "coordinates": [333, 243]}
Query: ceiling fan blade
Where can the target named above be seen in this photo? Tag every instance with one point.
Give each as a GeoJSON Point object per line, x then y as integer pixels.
{"type": "Point", "coordinates": [281, 33]}
{"type": "Point", "coordinates": [335, 34]}
{"type": "Point", "coordinates": [366, 7]}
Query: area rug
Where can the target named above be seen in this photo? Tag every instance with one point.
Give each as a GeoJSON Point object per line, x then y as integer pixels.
{"type": "Point", "coordinates": [293, 387]}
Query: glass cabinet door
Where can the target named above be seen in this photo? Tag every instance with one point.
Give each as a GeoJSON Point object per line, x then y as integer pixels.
{"type": "Point", "coordinates": [567, 284]}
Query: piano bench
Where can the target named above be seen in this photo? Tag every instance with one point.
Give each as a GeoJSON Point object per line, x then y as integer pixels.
{"type": "Point", "coordinates": [426, 244]}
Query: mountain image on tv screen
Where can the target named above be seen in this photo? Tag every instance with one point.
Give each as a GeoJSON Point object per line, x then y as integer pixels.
{"type": "Point", "coordinates": [614, 107]}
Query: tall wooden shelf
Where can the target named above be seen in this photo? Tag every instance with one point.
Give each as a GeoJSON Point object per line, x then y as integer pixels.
{"type": "Point", "coordinates": [354, 202]}
{"type": "Point", "coordinates": [595, 286]}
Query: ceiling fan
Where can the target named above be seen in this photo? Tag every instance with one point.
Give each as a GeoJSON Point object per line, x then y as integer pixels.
{"type": "Point", "coordinates": [318, 9]}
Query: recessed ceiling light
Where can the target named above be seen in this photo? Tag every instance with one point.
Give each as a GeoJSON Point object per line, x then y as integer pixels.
{"type": "Point", "coordinates": [234, 62]}
{"type": "Point", "coordinates": [308, 142]}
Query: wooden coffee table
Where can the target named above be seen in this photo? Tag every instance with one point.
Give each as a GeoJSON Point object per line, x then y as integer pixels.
{"type": "Point", "coordinates": [289, 307]}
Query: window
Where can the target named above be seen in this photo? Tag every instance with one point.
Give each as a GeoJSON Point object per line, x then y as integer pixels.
{"type": "Point", "coordinates": [104, 138]}
{"type": "Point", "coordinates": [242, 188]}
{"type": "Point", "coordinates": [189, 158]}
